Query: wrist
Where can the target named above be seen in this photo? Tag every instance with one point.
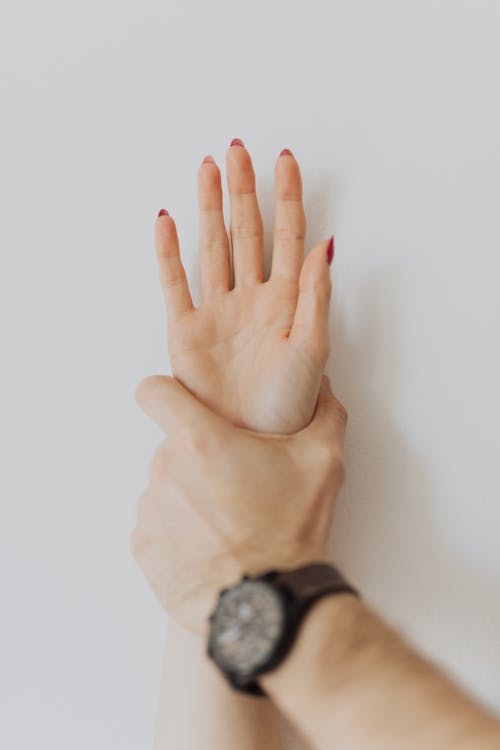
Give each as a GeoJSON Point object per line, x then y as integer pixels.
{"type": "Point", "coordinates": [255, 622]}
{"type": "Point", "coordinates": [302, 685]}
{"type": "Point", "coordinates": [353, 681]}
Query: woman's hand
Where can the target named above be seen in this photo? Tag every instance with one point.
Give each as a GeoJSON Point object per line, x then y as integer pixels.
{"type": "Point", "coordinates": [253, 352]}
{"type": "Point", "coordinates": [223, 501]}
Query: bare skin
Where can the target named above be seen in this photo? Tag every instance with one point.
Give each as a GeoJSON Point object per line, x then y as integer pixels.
{"type": "Point", "coordinates": [350, 681]}
{"type": "Point", "coordinates": [248, 501]}
{"type": "Point", "coordinates": [254, 352]}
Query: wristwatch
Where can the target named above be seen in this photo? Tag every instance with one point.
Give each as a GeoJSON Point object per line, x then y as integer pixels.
{"type": "Point", "coordinates": [255, 622]}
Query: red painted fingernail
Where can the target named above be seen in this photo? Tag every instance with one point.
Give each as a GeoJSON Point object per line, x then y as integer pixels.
{"type": "Point", "coordinates": [208, 160]}
{"type": "Point", "coordinates": [237, 142]}
{"type": "Point", "coordinates": [330, 250]}
{"type": "Point", "coordinates": [286, 152]}
{"type": "Point", "coordinates": [163, 212]}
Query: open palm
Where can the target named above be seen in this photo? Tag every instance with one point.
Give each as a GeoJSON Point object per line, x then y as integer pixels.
{"type": "Point", "coordinates": [253, 351]}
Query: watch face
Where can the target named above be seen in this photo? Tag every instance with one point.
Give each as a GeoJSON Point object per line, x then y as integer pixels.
{"type": "Point", "coordinates": [246, 627]}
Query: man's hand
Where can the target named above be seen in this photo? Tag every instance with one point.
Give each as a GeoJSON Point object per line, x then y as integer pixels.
{"type": "Point", "coordinates": [223, 501]}
{"type": "Point", "coordinates": [254, 353]}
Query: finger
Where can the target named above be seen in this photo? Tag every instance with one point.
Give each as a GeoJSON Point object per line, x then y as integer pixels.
{"type": "Point", "coordinates": [247, 234]}
{"type": "Point", "coordinates": [330, 417]}
{"type": "Point", "coordinates": [289, 219]}
{"type": "Point", "coordinates": [173, 279]}
{"type": "Point", "coordinates": [214, 242]}
{"type": "Point", "coordinates": [310, 324]}
{"type": "Point", "coordinates": [320, 444]}
{"type": "Point", "coordinates": [174, 408]}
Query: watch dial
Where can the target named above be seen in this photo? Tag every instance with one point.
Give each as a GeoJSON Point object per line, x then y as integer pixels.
{"type": "Point", "coordinates": [246, 626]}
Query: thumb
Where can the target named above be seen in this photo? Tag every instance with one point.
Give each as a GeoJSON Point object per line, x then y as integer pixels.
{"type": "Point", "coordinates": [330, 418]}
{"type": "Point", "coordinates": [173, 407]}
{"type": "Point", "coordinates": [310, 324]}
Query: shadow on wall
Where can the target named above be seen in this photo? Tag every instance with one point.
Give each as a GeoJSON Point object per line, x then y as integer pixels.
{"type": "Point", "coordinates": [390, 534]}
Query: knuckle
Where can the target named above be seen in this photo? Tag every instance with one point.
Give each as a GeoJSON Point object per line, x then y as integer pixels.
{"type": "Point", "coordinates": [201, 442]}
{"type": "Point", "coordinates": [319, 286]}
{"type": "Point", "coordinates": [325, 453]}
{"type": "Point", "coordinates": [244, 230]}
{"type": "Point", "coordinates": [213, 245]}
{"type": "Point", "coordinates": [339, 470]}
{"type": "Point", "coordinates": [287, 232]}
{"type": "Point", "coordinates": [330, 457]}
{"type": "Point", "coordinates": [174, 278]}
{"type": "Point", "coordinates": [342, 413]}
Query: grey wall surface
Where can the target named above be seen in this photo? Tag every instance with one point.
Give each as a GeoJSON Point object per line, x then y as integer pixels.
{"type": "Point", "coordinates": [107, 109]}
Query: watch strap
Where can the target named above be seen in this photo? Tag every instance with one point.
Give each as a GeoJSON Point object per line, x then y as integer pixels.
{"type": "Point", "coordinates": [304, 586]}
{"type": "Point", "coordinates": [311, 581]}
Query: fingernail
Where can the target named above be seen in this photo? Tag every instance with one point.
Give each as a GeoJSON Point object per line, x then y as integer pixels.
{"type": "Point", "coordinates": [163, 212]}
{"type": "Point", "coordinates": [237, 142]}
{"type": "Point", "coordinates": [330, 250]}
{"type": "Point", "coordinates": [208, 160]}
{"type": "Point", "coordinates": [286, 152]}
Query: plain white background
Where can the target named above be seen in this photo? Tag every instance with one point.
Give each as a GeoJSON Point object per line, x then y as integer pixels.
{"type": "Point", "coordinates": [107, 110]}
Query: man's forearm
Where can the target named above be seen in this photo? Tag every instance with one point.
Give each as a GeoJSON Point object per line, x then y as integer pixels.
{"type": "Point", "coordinates": [197, 709]}
{"type": "Point", "coordinates": [352, 682]}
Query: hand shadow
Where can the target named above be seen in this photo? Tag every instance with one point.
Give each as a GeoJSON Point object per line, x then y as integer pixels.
{"type": "Point", "coordinates": [390, 534]}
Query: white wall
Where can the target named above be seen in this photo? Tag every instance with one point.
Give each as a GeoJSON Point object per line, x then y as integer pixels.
{"type": "Point", "coordinates": [107, 109]}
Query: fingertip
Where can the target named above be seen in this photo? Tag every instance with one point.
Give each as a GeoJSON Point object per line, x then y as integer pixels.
{"type": "Point", "coordinates": [141, 390]}
{"type": "Point", "coordinates": [165, 224]}
{"type": "Point", "coordinates": [167, 241]}
{"type": "Point", "coordinates": [148, 387]}
{"type": "Point", "coordinates": [140, 393]}
{"type": "Point", "coordinates": [330, 250]}
{"type": "Point", "coordinates": [288, 179]}
{"type": "Point", "coordinates": [237, 156]}
{"type": "Point", "coordinates": [316, 268]}
{"type": "Point", "coordinates": [209, 181]}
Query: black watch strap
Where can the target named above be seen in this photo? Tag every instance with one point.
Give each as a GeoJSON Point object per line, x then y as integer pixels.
{"type": "Point", "coordinates": [304, 586]}
{"type": "Point", "coordinates": [308, 583]}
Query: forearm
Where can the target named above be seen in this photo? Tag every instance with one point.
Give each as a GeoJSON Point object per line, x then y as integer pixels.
{"type": "Point", "coordinates": [197, 709]}
{"type": "Point", "coordinates": [352, 682]}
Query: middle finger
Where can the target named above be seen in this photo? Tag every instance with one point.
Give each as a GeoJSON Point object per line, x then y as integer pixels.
{"type": "Point", "coordinates": [247, 233]}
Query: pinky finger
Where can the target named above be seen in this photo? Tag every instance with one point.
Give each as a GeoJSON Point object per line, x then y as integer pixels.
{"type": "Point", "coordinates": [173, 278]}
{"type": "Point", "coordinates": [310, 325]}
